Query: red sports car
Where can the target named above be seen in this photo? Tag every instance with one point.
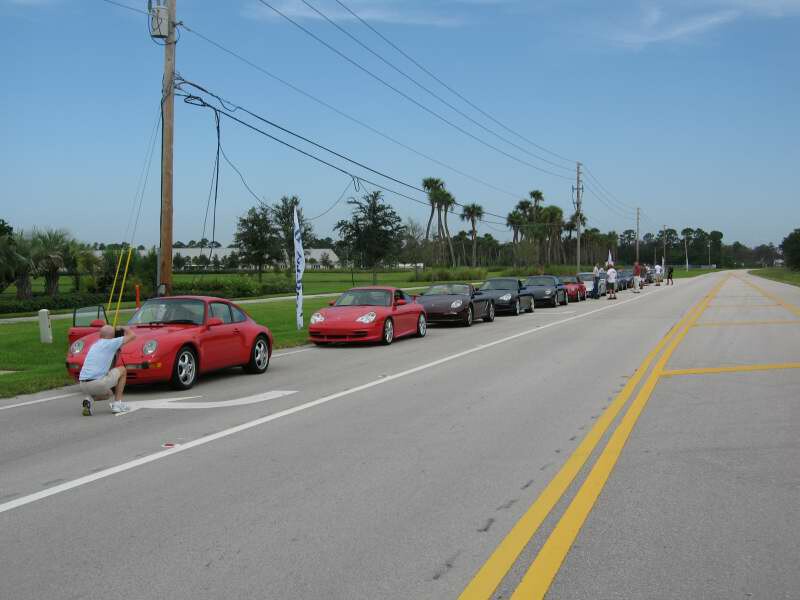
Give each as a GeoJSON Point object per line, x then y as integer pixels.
{"type": "Point", "coordinates": [177, 338]}
{"type": "Point", "coordinates": [369, 314]}
{"type": "Point", "coordinates": [576, 290]}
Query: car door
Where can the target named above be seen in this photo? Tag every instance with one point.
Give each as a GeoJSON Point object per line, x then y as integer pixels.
{"type": "Point", "coordinates": [224, 344]}
{"type": "Point", "coordinates": [480, 304]}
{"type": "Point", "coordinates": [525, 295]}
{"type": "Point", "coordinates": [86, 320]}
{"type": "Point", "coordinates": [406, 314]}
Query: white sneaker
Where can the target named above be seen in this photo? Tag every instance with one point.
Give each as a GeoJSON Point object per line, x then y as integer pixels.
{"type": "Point", "coordinates": [88, 406]}
{"type": "Point", "coordinates": [119, 407]}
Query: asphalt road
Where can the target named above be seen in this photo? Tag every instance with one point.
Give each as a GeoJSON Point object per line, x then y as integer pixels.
{"type": "Point", "coordinates": [409, 471]}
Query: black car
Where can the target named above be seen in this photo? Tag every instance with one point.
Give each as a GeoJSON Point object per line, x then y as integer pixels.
{"type": "Point", "coordinates": [456, 303]}
{"type": "Point", "coordinates": [507, 294]}
{"type": "Point", "coordinates": [547, 289]}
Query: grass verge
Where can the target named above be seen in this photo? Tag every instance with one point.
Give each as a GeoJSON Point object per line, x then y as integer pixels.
{"type": "Point", "coordinates": [778, 274]}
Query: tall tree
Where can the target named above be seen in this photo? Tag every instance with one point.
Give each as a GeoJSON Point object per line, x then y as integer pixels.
{"type": "Point", "coordinates": [283, 218]}
{"type": "Point", "coordinates": [434, 186]}
{"type": "Point", "coordinates": [473, 213]}
{"type": "Point", "coordinates": [257, 239]}
{"type": "Point", "coordinates": [791, 250]}
{"type": "Point", "coordinates": [374, 233]}
{"type": "Point", "coordinates": [49, 250]}
{"type": "Point", "coordinates": [447, 204]}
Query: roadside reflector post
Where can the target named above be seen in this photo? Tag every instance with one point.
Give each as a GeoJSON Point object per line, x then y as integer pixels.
{"type": "Point", "coordinates": [138, 297]}
{"type": "Point", "coordinates": [45, 328]}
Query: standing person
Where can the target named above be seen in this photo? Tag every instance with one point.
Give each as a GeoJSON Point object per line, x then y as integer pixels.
{"type": "Point", "coordinates": [637, 277]}
{"type": "Point", "coordinates": [670, 270]}
{"type": "Point", "coordinates": [97, 377]}
{"type": "Point", "coordinates": [659, 274]}
{"type": "Point", "coordinates": [596, 281]}
{"type": "Point", "coordinates": [611, 281]}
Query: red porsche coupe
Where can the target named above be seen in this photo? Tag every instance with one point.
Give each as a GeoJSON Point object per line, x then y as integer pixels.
{"type": "Point", "coordinates": [368, 314]}
{"type": "Point", "coordinates": [177, 339]}
{"type": "Point", "coordinates": [576, 290]}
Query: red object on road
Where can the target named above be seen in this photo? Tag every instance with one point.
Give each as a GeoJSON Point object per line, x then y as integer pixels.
{"type": "Point", "coordinates": [178, 338]}
{"type": "Point", "coordinates": [576, 289]}
{"type": "Point", "coordinates": [138, 297]}
{"type": "Point", "coordinates": [368, 314]}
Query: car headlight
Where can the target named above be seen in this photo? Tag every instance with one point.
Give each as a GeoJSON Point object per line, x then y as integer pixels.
{"type": "Point", "coordinates": [367, 318]}
{"type": "Point", "coordinates": [505, 297]}
{"type": "Point", "coordinates": [456, 304]}
{"type": "Point", "coordinates": [76, 347]}
{"type": "Point", "coordinates": [548, 292]}
{"type": "Point", "coordinates": [149, 347]}
{"type": "Point", "coordinates": [316, 318]}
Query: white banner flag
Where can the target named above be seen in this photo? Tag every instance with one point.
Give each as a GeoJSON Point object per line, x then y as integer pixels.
{"type": "Point", "coordinates": [299, 268]}
{"type": "Point", "coordinates": [610, 261]}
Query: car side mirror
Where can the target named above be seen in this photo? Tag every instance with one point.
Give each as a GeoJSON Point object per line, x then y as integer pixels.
{"type": "Point", "coordinates": [332, 303]}
{"type": "Point", "coordinates": [97, 323]}
{"type": "Point", "coordinates": [400, 302]}
{"type": "Point", "coordinates": [214, 321]}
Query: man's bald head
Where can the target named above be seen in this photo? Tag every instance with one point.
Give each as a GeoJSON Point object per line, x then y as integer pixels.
{"type": "Point", "coordinates": [106, 332]}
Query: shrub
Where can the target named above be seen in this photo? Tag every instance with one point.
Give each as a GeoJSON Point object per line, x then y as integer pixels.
{"type": "Point", "coordinates": [62, 301]}
{"type": "Point", "coordinates": [444, 274]}
{"type": "Point", "coordinates": [791, 250]}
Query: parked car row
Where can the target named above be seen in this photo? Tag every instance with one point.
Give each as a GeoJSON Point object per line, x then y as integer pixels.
{"type": "Point", "coordinates": [181, 337]}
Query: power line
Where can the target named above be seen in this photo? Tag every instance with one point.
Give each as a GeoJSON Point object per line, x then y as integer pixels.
{"type": "Point", "coordinates": [131, 8]}
{"type": "Point", "coordinates": [198, 101]}
{"type": "Point", "coordinates": [428, 90]}
{"type": "Point", "coordinates": [409, 98]}
{"type": "Point", "coordinates": [347, 116]}
{"type": "Point", "coordinates": [446, 86]}
{"type": "Point", "coordinates": [608, 194]}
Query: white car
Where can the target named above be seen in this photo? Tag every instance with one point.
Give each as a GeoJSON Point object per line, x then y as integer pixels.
{"type": "Point", "coordinates": [588, 281]}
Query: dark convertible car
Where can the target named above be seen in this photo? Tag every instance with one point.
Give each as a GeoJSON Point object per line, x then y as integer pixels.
{"type": "Point", "coordinates": [547, 289]}
{"type": "Point", "coordinates": [508, 295]}
{"type": "Point", "coordinates": [456, 303]}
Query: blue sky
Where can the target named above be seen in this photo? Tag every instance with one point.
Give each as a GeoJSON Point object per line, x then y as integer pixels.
{"type": "Point", "coordinates": [688, 109]}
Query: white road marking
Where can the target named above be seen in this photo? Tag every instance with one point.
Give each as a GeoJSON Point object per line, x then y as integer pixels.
{"type": "Point", "coordinates": [292, 352]}
{"type": "Point", "coordinates": [206, 439]}
{"type": "Point", "coordinates": [40, 400]}
{"type": "Point", "coordinates": [175, 404]}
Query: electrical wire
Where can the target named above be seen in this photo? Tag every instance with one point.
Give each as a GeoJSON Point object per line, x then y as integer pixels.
{"type": "Point", "coordinates": [409, 98]}
{"type": "Point", "coordinates": [428, 90]}
{"type": "Point", "coordinates": [347, 116]}
{"type": "Point", "coordinates": [332, 206]}
{"type": "Point", "coordinates": [611, 197]}
{"type": "Point", "coordinates": [126, 6]}
{"type": "Point", "coordinates": [446, 86]}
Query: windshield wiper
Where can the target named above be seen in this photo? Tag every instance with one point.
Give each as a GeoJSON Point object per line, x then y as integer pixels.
{"type": "Point", "coordinates": [180, 321]}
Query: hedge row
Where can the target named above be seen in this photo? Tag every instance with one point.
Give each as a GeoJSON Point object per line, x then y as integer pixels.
{"type": "Point", "coordinates": [72, 300]}
{"type": "Point", "coordinates": [442, 274]}
{"type": "Point", "coordinates": [235, 288]}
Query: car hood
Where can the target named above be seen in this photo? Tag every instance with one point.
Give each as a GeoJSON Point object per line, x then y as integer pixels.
{"type": "Point", "coordinates": [143, 335]}
{"type": "Point", "coordinates": [441, 301]}
{"type": "Point", "coordinates": [497, 293]}
{"type": "Point", "coordinates": [348, 314]}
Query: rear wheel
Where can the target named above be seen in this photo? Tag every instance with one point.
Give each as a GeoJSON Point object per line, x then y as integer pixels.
{"type": "Point", "coordinates": [530, 308]}
{"type": "Point", "coordinates": [554, 300]}
{"type": "Point", "coordinates": [388, 332]}
{"type": "Point", "coordinates": [489, 313]}
{"type": "Point", "coordinates": [184, 371]}
{"type": "Point", "coordinates": [259, 356]}
{"type": "Point", "coordinates": [469, 317]}
{"type": "Point", "coordinates": [422, 325]}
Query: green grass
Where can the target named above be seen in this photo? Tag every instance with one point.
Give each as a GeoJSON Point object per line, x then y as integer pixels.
{"type": "Point", "coordinates": [779, 274]}
{"type": "Point", "coordinates": [684, 274]}
{"type": "Point", "coordinates": [41, 366]}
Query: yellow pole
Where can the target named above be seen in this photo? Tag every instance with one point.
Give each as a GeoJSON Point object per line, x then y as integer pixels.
{"type": "Point", "coordinates": [114, 285]}
{"type": "Point", "coordinates": [122, 287]}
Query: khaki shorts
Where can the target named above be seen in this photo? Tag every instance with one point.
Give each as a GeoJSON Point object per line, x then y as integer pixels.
{"type": "Point", "coordinates": [101, 388]}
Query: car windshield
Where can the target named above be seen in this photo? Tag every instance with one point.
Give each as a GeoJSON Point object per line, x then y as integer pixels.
{"type": "Point", "coordinates": [586, 276]}
{"type": "Point", "coordinates": [365, 298]}
{"type": "Point", "coordinates": [447, 288]}
{"type": "Point", "coordinates": [168, 310]}
{"type": "Point", "coordinates": [569, 279]}
{"type": "Point", "coordinates": [500, 284]}
{"type": "Point", "coordinates": [544, 280]}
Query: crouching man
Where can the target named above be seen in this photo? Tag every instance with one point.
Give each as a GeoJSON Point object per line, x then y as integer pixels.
{"type": "Point", "coordinates": [97, 378]}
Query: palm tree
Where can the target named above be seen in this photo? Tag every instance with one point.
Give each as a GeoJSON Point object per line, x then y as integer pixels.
{"type": "Point", "coordinates": [49, 250]}
{"type": "Point", "coordinates": [446, 205]}
{"type": "Point", "coordinates": [686, 233]}
{"type": "Point", "coordinates": [433, 186]}
{"type": "Point", "coordinates": [22, 265]}
{"type": "Point", "coordinates": [525, 209]}
{"type": "Point", "coordinates": [514, 221]}
{"type": "Point", "coordinates": [473, 213]}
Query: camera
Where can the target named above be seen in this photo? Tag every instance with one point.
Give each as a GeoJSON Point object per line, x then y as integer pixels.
{"type": "Point", "coordinates": [119, 332]}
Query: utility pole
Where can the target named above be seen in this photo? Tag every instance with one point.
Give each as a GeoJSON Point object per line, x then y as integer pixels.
{"type": "Point", "coordinates": [167, 138]}
{"type": "Point", "coordinates": [686, 250]}
{"type": "Point", "coordinates": [664, 253]}
{"type": "Point", "coordinates": [637, 234]}
{"type": "Point", "coordinates": [578, 189]}
{"type": "Point", "coordinates": [709, 254]}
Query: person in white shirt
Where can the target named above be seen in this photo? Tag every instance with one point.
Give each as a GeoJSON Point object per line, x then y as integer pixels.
{"type": "Point", "coordinates": [97, 378]}
{"type": "Point", "coordinates": [659, 272]}
{"type": "Point", "coordinates": [611, 282]}
{"type": "Point", "coordinates": [596, 282]}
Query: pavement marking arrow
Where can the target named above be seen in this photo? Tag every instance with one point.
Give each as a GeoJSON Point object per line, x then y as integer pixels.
{"type": "Point", "coordinates": [177, 404]}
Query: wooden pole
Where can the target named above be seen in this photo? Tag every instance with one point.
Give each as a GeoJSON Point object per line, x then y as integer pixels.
{"type": "Point", "coordinates": [167, 138]}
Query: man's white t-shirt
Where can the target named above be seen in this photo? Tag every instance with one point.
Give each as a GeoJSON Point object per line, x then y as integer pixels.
{"type": "Point", "coordinates": [99, 358]}
{"type": "Point", "coordinates": [611, 275]}
{"type": "Point", "coordinates": [658, 269]}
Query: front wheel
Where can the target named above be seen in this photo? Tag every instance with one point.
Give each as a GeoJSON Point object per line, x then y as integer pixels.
{"type": "Point", "coordinates": [489, 313]}
{"type": "Point", "coordinates": [422, 325]}
{"type": "Point", "coordinates": [259, 356]}
{"type": "Point", "coordinates": [531, 307]}
{"type": "Point", "coordinates": [388, 332]}
{"type": "Point", "coordinates": [469, 317]}
{"type": "Point", "coordinates": [516, 308]}
{"type": "Point", "coordinates": [555, 301]}
{"type": "Point", "coordinates": [184, 371]}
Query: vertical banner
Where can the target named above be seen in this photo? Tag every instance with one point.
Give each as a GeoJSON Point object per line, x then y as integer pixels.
{"type": "Point", "coordinates": [299, 268]}
{"type": "Point", "coordinates": [610, 261]}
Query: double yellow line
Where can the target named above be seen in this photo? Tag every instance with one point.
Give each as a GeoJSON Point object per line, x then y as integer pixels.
{"type": "Point", "coordinates": [545, 566]}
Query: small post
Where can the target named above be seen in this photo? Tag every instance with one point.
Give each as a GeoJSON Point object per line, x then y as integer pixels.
{"type": "Point", "coordinates": [138, 297]}
{"type": "Point", "coordinates": [45, 327]}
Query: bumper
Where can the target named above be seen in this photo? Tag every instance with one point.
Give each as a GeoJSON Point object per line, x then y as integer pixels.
{"type": "Point", "coordinates": [503, 307]}
{"type": "Point", "coordinates": [450, 316]}
{"type": "Point", "coordinates": [368, 333]}
{"type": "Point", "coordinates": [142, 372]}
